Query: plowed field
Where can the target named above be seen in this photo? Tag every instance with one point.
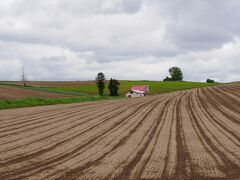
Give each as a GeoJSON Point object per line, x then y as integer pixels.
{"type": "Point", "coordinates": [10, 92]}
{"type": "Point", "coordinates": [50, 83]}
{"type": "Point", "coordinates": [181, 135]}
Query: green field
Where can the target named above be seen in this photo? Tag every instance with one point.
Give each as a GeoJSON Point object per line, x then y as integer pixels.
{"type": "Point", "coordinates": [156, 87]}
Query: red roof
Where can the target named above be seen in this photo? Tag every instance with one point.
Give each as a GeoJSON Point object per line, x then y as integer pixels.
{"type": "Point", "coordinates": [142, 88]}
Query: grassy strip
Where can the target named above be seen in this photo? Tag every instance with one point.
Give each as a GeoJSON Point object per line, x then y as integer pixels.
{"type": "Point", "coordinates": [29, 102]}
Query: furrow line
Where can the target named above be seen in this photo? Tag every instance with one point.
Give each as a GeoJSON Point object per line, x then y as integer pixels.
{"type": "Point", "coordinates": [72, 151]}
{"type": "Point", "coordinates": [209, 159]}
{"type": "Point", "coordinates": [231, 169]}
{"type": "Point", "coordinates": [72, 174]}
{"type": "Point", "coordinates": [224, 101]}
{"type": "Point", "coordinates": [67, 139]}
{"type": "Point", "coordinates": [218, 136]}
{"type": "Point", "coordinates": [226, 94]}
{"type": "Point", "coordinates": [214, 118]}
{"type": "Point", "coordinates": [217, 106]}
{"type": "Point", "coordinates": [61, 131]}
{"type": "Point", "coordinates": [35, 119]}
{"type": "Point", "coordinates": [113, 131]}
{"type": "Point", "coordinates": [135, 168]}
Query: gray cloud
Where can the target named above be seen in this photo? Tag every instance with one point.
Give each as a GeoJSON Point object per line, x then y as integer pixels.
{"type": "Point", "coordinates": [126, 39]}
{"type": "Point", "coordinates": [200, 25]}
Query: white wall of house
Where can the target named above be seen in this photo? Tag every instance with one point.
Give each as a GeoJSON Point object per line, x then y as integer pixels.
{"type": "Point", "coordinates": [134, 94]}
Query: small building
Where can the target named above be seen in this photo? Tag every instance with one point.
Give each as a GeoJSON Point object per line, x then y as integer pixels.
{"type": "Point", "coordinates": [138, 91]}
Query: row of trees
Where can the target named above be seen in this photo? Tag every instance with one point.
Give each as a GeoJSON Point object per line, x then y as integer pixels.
{"type": "Point", "coordinates": [113, 85]}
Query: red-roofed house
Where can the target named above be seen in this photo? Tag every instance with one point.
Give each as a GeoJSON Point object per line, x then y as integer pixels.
{"type": "Point", "coordinates": [138, 91]}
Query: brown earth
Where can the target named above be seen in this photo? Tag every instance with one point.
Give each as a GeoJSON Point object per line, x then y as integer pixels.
{"type": "Point", "coordinates": [11, 92]}
{"type": "Point", "coordinates": [50, 83]}
{"type": "Point", "coordinates": [192, 134]}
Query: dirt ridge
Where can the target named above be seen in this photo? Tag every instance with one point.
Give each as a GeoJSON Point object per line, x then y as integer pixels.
{"type": "Point", "coordinates": [191, 134]}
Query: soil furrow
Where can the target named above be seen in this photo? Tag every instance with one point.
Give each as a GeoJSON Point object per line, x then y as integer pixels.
{"type": "Point", "coordinates": [213, 118]}
{"type": "Point", "coordinates": [231, 169]}
{"type": "Point", "coordinates": [67, 154]}
{"type": "Point", "coordinates": [191, 134]}
{"type": "Point", "coordinates": [127, 169]}
{"type": "Point", "coordinates": [216, 106]}
{"type": "Point", "coordinates": [82, 118]}
{"type": "Point", "coordinates": [77, 171]}
{"type": "Point", "coordinates": [202, 148]}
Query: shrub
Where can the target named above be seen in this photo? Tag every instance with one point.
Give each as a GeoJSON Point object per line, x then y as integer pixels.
{"type": "Point", "coordinates": [210, 81]}
{"type": "Point", "coordinates": [167, 79]}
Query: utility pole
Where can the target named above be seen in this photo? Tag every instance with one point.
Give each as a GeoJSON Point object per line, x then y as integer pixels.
{"type": "Point", "coordinates": [23, 77]}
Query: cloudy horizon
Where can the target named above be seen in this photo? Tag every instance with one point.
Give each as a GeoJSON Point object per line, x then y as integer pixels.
{"type": "Point", "coordinates": [125, 39]}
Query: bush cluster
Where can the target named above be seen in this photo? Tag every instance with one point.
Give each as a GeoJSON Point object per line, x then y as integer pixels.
{"type": "Point", "coordinates": [210, 81]}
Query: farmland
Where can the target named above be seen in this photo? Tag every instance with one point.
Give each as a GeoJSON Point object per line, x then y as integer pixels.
{"type": "Point", "coordinates": [156, 87]}
{"type": "Point", "coordinates": [37, 93]}
{"type": "Point", "coordinates": [186, 134]}
{"type": "Point", "coordinates": [15, 96]}
{"type": "Point", "coordinates": [50, 83]}
{"type": "Point", "coordinates": [12, 92]}
{"type": "Point", "coordinates": [89, 87]}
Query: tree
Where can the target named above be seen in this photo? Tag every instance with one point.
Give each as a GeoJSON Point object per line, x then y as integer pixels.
{"type": "Point", "coordinates": [176, 74]}
{"type": "Point", "coordinates": [210, 81]}
{"type": "Point", "coordinates": [100, 83]}
{"type": "Point", "coordinates": [113, 87]}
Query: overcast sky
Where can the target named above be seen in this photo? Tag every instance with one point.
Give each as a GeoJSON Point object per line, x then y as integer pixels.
{"type": "Point", "coordinates": [125, 39]}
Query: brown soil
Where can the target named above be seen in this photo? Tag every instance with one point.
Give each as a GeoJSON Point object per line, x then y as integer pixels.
{"type": "Point", "coordinates": [192, 134]}
{"type": "Point", "coordinates": [9, 92]}
{"type": "Point", "coordinates": [51, 83]}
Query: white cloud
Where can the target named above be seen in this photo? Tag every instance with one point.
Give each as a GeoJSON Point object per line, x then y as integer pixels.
{"type": "Point", "coordinates": [126, 39]}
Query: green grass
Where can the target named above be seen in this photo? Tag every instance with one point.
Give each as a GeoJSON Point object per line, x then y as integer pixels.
{"type": "Point", "coordinates": [29, 102]}
{"type": "Point", "coordinates": [85, 89]}
{"type": "Point", "coordinates": [156, 87]}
